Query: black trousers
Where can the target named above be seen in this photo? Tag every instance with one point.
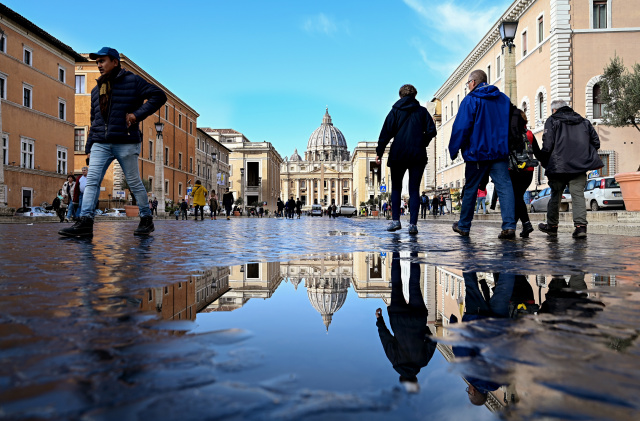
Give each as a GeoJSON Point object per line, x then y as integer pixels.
{"type": "Point", "coordinates": [520, 182]}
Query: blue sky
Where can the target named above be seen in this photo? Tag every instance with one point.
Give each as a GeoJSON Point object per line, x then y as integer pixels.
{"type": "Point", "coordinates": [269, 68]}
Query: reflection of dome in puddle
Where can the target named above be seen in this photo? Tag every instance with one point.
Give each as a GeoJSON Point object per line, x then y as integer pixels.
{"type": "Point", "coordinates": [327, 296]}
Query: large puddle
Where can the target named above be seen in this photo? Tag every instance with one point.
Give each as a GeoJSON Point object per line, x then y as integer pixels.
{"type": "Point", "coordinates": [301, 339]}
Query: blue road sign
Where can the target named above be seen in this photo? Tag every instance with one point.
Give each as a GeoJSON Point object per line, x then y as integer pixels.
{"type": "Point", "coordinates": [383, 189]}
{"type": "Point", "coordinates": [383, 254]}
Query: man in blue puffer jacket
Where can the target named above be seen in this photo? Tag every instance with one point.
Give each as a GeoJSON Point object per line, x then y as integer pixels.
{"type": "Point", "coordinates": [481, 131]}
{"type": "Point", "coordinates": [117, 107]}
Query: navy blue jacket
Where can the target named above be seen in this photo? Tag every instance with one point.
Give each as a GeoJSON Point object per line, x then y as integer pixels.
{"type": "Point", "coordinates": [412, 128]}
{"type": "Point", "coordinates": [481, 128]}
{"type": "Point", "coordinates": [128, 95]}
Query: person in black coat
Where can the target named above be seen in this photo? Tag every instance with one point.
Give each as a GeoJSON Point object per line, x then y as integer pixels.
{"type": "Point", "coordinates": [227, 202]}
{"type": "Point", "coordinates": [411, 348]}
{"type": "Point", "coordinates": [412, 128]}
{"type": "Point", "coordinates": [435, 205]}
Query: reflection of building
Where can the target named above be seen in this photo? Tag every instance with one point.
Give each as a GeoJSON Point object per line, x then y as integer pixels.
{"type": "Point", "coordinates": [251, 280]}
{"type": "Point", "coordinates": [36, 111]}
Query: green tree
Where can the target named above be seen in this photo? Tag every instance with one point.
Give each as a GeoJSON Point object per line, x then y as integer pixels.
{"type": "Point", "coordinates": [145, 183]}
{"type": "Point", "coordinates": [620, 90]}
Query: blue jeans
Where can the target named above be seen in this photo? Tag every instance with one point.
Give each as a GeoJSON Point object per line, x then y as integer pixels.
{"type": "Point", "coordinates": [499, 172]}
{"type": "Point", "coordinates": [415, 176]}
{"type": "Point", "coordinates": [482, 203]}
{"type": "Point", "coordinates": [497, 305]}
{"type": "Point", "coordinates": [77, 211]}
{"type": "Point", "coordinates": [71, 210]}
{"type": "Point", "coordinates": [102, 155]}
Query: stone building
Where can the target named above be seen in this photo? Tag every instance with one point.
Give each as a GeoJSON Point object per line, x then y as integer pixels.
{"type": "Point", "coordinates": [212, 163]}
{"type": "Point", "coordinates": [325, 175]}
{"type": "Point", "coordinates": [254, 168]}
{"type": "Point", "coordinates": [574, 40]}
{"type": "Point", "coordinates": [36, 111]}
{"type": "Point", "coordinates": [178, 136]}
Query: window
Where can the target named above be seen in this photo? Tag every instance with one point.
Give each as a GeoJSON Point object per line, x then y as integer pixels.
{"type": "Point", "coordinates": [180, 121]}
{"type": "Point", "coordinates": [62, 74]}
{"type": "Point", "coordinates": [190, 164]}
{"type": "Point", "coordinates": [597, 101]}
{"type": "Point", "coordinates": [61, 160]}
{"type": "Point", "coordinates": [452, 109]}
{"type": "Point", "coordinates": [525, 109]}
{"type": "Point", "coordinates": [524, 43]}
{"type": "Point", "coordinates": [62, 109]}
{"type": "Point", "coordinates": [198, 170]}
{"type": "Point", "coordinates": [166, 155]}
{"type": "Point", "coordinates": [78, 140]}
{"type": "Point", "coordinates": [5, 150]}
{"type": "Point", "coordinates": [540, 29]}
{"type": "Point", "coordinates": [27, 96]}
{"type": "Point", "coordinates": [540, 106]}
{"type": "Point", "coordinates": [302, 184]}
{"type": "Point", "coordinates": [3, 86]}
{"type": "Point", "coordinates": [191, 127]}
{"type": "Point", "coordinates": [151, 182]}
{"type": "Point", "coordinates": [26, 153]}
{"type": "Point", "coordinates": [27, 56]}
{"type": "Point", "coordinates": [445, 113]}
{"type": "Point", "coordinates": [325, 184]}
{"type": "Point", "coordinates": [333, 184]}
{"type": "Point", "coordinates": [3, 45]}
{"type": "Point", "coordinates": [179, 189]}
{"type": "Point", "coordinates": [151, 150]}
{"type": "Point", "coordinates": [458, 104]}
{"type": "Point", "coordinates": [253, 270]}
{"type": "Point", "coordinates": [599, 14]}
{"type": "Point", "coordinates": [179, 160]}
{"type": "Point", "coordinates": [166, 112]}
{"type": "Point", "coordinates": [198, 147]}
{"type": "Point", "coordinates": [166, 186]}
{"type": "Point", "coordinates": [80, 82]}
{"type": "Point", "coordinates": [498, 67]}
{"type": "Point", "coordinates": [345, 184]}
{"type": "Point", "coordinates": [488, 75]}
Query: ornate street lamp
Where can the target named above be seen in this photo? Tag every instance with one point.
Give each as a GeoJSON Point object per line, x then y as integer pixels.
{"type": "Point", "coordinates": [158, 180]}
{"type": "Point", "coordinates": [508, 33]}
{"type": "Point", "coordinates": [159, 128]}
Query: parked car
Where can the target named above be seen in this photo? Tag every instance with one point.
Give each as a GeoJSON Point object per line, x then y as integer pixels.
{"type": "Point", "coordinates": [540, 203]}
{"type": "Point", "coordinates": [114, 212]}
{"type": "Point", "coordinates": [603, 192]}
{"type": "Point", "coordinates": [316, 210]}
{"type": "Point", "coordinates": [33, 211]}
{"type": "Point", "coordinates": [347, 210]}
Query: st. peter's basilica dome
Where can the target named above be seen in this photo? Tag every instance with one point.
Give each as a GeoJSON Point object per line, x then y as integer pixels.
{"type": "Point", "coordinates": [327, 143]}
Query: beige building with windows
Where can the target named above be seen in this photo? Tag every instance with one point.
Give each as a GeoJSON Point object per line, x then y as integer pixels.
{"type": "Point", "coordinates": [254, 168]}
{"type": "Point", "coordinates": [36, 111]}
{"type": "Point", "coordinates": [574, 40]}
{"type": "Point", "coordinates": [212, 163]}
{"type": "Point", "coordinates": [178, 137]}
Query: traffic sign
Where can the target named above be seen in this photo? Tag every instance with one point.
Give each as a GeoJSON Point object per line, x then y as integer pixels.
{"type": "Point", "coordinates": [383, 189]}
{"type": "Point", "coordinates": [189, 190]}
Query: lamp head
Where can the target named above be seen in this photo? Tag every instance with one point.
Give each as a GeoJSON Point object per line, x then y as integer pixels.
{"type": "Point", "coordinates": [159, 127]}
{"type": "Point", "coordinates": [508, 31]}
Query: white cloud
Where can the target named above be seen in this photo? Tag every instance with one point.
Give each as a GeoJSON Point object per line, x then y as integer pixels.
{"type": "Point", "coordinates": [323, 24]}
{"type": "Point", "coordinates": [452, 19]}
{"type": "Point", "coordinates": [438, 66]}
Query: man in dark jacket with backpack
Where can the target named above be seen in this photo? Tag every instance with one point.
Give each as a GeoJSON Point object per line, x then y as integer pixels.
{"type": "Point", "coordinates": [569, 149]}
{"type": "Point", "coordinates": [412, 128]}
{"type": "Point", "coordinates": [481, 132]}
{"type": "Point", "coordinates": [119, 102]}
{"type": "Point", "coordinates": [424, 205]}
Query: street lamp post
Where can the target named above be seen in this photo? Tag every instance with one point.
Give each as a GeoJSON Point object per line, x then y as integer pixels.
{"type": "Point", "coordinates": [158, 180]}
{"type": "Point", "coordinates": [3, 199]}
{"type": "Point", "coordinates": [375, 193]}
{"type": "Point", "coordinates": [508, 33]}
{"type": "Point", "coordinates": [214, 158]}
{"type": "Point", "coordinates": [242, 185]}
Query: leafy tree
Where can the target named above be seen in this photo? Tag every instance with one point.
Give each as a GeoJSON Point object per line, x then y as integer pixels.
{"type": "Point", "coordinates": [145, 183]}
{"type": "Point", "coordinates": [238, 202]}
{"type": "Point", "coordinates": [620, 94]}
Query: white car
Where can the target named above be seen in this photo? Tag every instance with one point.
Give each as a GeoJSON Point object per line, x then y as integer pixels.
{"type": "Point", "coordinates": [33, 211]}
{"type": "Point", "coordinates": [316, 210]}
{"type": "Point", "coordinates": [603, 192]}
{"type": "Point", "coordinates": [347, 210]}
{"type": "Point", "coordinates": [114, 212]}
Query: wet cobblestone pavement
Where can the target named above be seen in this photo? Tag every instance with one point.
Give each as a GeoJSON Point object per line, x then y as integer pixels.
{"type": "Point", "coordinates": [275, 319]}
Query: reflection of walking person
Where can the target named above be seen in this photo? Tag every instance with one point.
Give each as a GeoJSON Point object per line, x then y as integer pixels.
{"type": "Point", "coordinates": [411, 348]}
{"type": "Point", "coordinates": [199, 195]}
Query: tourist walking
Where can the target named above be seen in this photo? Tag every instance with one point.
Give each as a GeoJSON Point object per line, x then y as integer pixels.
{"type": "Point", "coordinates": [227, 202]}
{"type": "Point", "coordinates": [435, 205]}
{"type": "Point", "coordinates": [412, 128]}
{"type": "Point", "coordinates": [569, 149]}
{"type": "Point", "coordinates": [81, 184]}
{"type": "Point", "coordinates": [154, 205]}
{"type": "Point", "coordinates": [57, 205]}
{"type": "Point", "coordinates": [443, 205]}
{"type": "Point", "coordinates": [199, 194]}
{"type": "Point", "coordinates": [291, 207]}
{"type": "Point", "coordinates": [481, 132]}
{"type": "Point", "coordinates": [298, 207]}
{"type": "Point", "coordinates": [424, 205]}
{"type": "Point", "coordinates": [68, 189]}
{"type": "Point", "coordinates": [213, 205]}
{"type": "Point", "coordinates": [184, 207]}
{"type": "Point", "coordinates": [119, 102]}
{"type": "Point", "coordinates": [482, 200]}
{"type": "Point", "coordinates": [280, 207]}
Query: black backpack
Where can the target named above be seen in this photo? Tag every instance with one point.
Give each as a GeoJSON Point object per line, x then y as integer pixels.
{"type": "Point", "coordinates": [520, 150]}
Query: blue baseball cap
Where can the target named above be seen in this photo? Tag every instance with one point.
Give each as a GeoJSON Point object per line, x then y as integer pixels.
{"type": "Point", "coordinates": [105, 51]}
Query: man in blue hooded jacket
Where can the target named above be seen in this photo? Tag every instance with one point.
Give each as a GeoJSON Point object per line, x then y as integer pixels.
{"type": "Point", "coordinates": [481, 132]}
{"type": "Point", "coordinates": [119, 102]}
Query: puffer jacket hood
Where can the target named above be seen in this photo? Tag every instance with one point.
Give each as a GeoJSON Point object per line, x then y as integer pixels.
{"type": "Point", "coordinates": [411, 127]}
{"type": "Point", "coordinates": [485, 91]}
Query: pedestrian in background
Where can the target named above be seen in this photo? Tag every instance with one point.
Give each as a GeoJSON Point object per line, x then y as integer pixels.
{"type": "Point", "coordinates": [81, 184]}
{"type": "Point", "coordinates": [119, 102]}
{"type": "Point", "coordinates": [384, 209]}
{"type": "Point", "coordinates": [482, 200]}
{"type": "Point", "coordinates": [184, 207]}
{"type": "Point", "coordinates": [199, 194]}
{"type": "Point", "coordinates": [68, 189]}
{"type": "Point", "coordinates": [424, 204]}
{"type": "Point", "coordinates": [298, 207]}
{"type": "Point", "coordinates": [443, 204]}
{"type": "Point", "coordinates": [481, 132]}
{"type": "Point", "coordinates": [280, 207]}
{"type": "Point", "coordinates": [435, 205]}
{"type": "Point", "coordinates": [154, 206]}
{"type": "Point", "coordinates": [57, 205]}
{"type": "Point", "coordinates": [412, 128]}
{"type": "Point", "coordinates": [227, 202]}
{"type": "Point", "coordinates": [213, 205]}
{"type": "Point", "coordinates": [291, 207]}
{"type": "Point", "coordinates": [569, 149]}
